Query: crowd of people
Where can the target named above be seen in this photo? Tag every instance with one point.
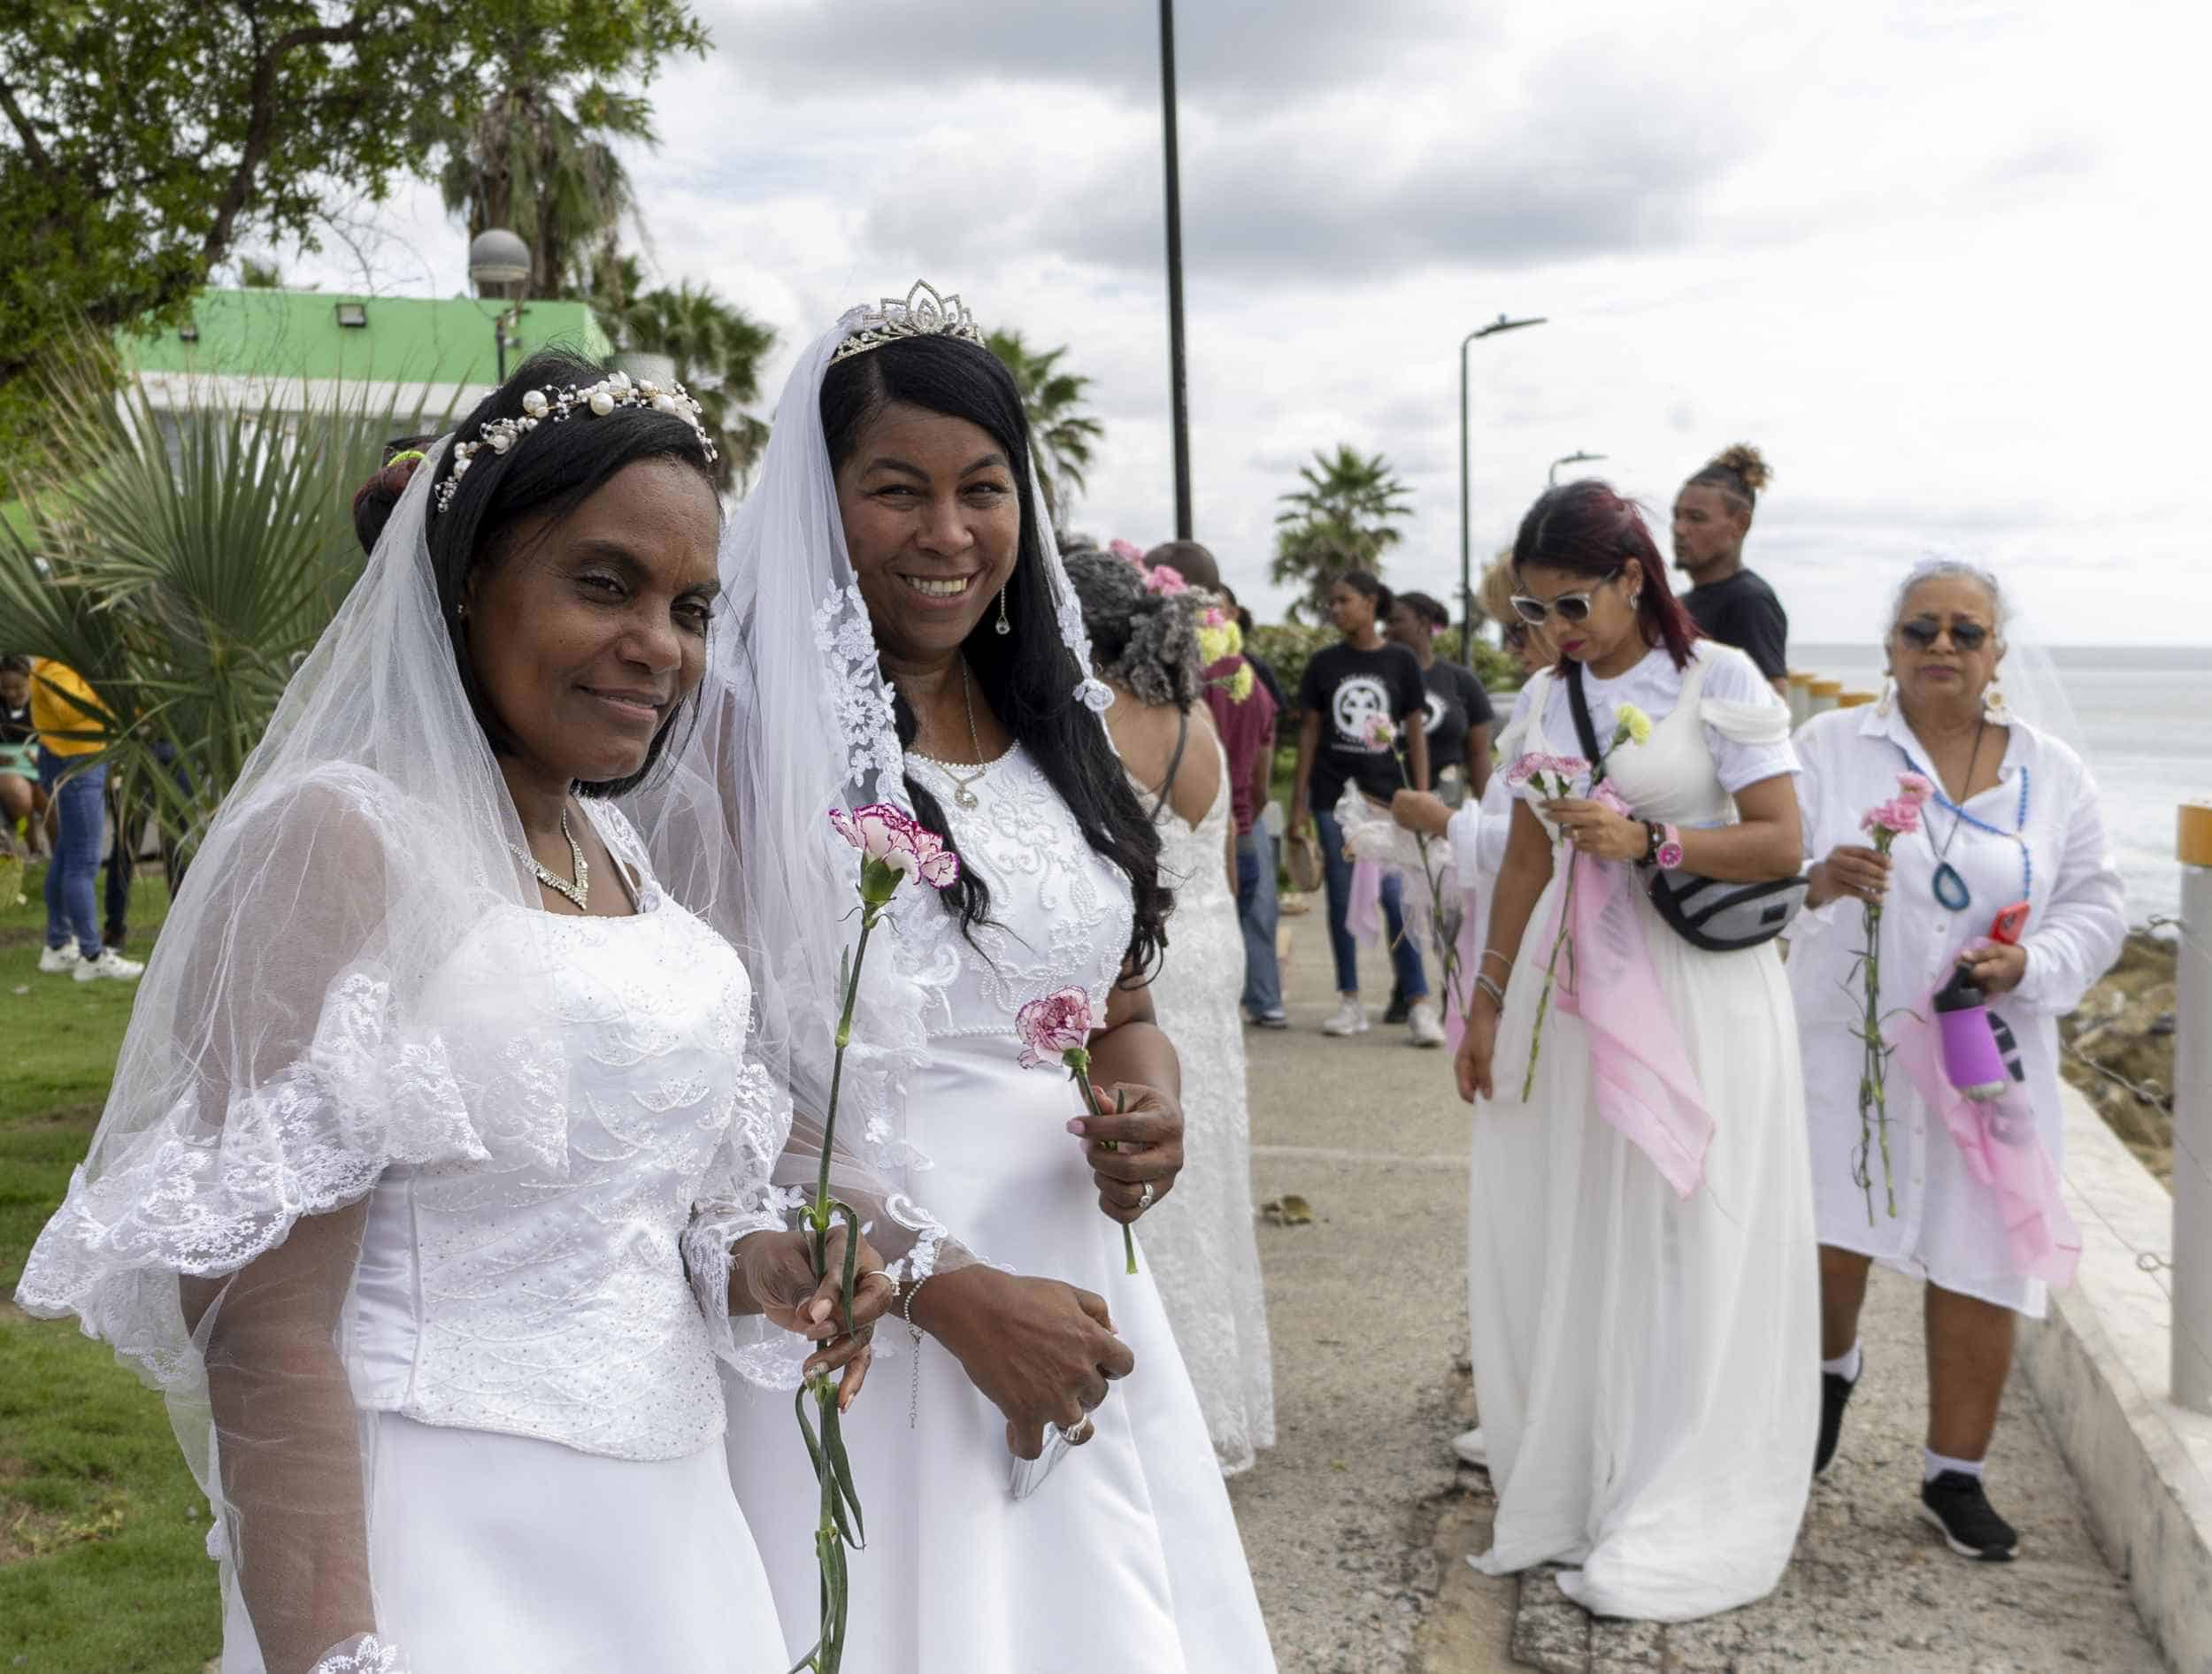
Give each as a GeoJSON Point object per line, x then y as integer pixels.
{"type": "Point", "coordinates": [512, 1004]}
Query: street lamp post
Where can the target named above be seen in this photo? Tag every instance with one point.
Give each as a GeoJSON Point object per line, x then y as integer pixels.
{"type": "Point", "coordinates": [497, 256]}
{"type": "Point", "coordinates": [1178, 385]}
{"type": "Point", "coordinates": [1578, 457]}
{"type": "Point", "coordinates": [1466, 570]}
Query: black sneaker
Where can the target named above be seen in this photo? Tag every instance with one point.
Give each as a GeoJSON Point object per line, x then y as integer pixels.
{"type": "Point", "coordinates": [1835, 1395]}
{"type": "Point", "coordinates": [1955, 1502]}
{"type": "Point", "coordinates": [1399, 1008]}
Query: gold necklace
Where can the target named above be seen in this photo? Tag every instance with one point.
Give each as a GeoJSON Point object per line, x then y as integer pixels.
{"type": "Point", "coordinates": [962, 795]}
{"type": "Point", "coordinates": [579, 892]}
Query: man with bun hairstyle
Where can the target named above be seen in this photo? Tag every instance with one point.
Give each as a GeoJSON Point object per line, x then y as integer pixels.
{"type": "Point", "coordinates": [1712, 515]}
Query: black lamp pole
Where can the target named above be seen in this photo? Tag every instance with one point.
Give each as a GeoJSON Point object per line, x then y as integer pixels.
{"type": "Point", "coordinates": [1466, 568]}
{"type": "Point", "coordinates": [1177, 382]}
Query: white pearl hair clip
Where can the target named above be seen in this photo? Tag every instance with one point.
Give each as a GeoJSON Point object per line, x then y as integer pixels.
{"type": "Point", "coordinates": [540, 406]}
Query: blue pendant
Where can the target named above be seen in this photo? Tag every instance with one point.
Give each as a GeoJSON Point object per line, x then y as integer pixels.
{"type": "Point", "coordinates": [1950, 889]}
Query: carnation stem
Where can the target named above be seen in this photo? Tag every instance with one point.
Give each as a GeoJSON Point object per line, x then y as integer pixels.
{"type": "Point", "coordinates": [1080, 1072]}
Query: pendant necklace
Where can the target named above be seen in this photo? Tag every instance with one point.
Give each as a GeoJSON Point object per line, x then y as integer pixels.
{"type": "Point", "coordinates": [579, 892]}
{"type": "Point", "coordinates": [962, 795]}
{"type": "Point", "coordinates": [1946, 886]}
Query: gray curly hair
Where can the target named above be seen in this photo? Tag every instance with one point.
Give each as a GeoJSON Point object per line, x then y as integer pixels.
{"type": "Point", "coordinates": [1144, 640]}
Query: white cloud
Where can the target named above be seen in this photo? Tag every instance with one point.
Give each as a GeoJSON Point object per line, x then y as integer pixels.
{"type": "Point", "coordinates": [1937, 259]}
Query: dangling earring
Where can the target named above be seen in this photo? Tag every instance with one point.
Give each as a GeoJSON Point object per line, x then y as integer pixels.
{"type": "Point", "coordinates": [1889, 695]}
{"type": "Point", "coordinates": [1994, 710]}
{"type": "Point", "coordinates": [1004, 626]}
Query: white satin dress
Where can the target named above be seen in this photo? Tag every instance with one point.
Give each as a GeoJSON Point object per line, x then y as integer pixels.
{"type": "Point", "coordinates": [1127, 1556]}
{"type": "Point", "coordinates": [1200, 1239]}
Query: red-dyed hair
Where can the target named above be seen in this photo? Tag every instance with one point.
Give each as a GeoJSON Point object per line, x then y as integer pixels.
{"type": "Point", "coordinates": [1586, 530]}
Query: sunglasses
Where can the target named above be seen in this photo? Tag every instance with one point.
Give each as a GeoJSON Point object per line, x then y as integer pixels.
{"type": "Point", "coordinates": [1571, 607]}
{"type": "Point", "coordinates": [1923, 632]}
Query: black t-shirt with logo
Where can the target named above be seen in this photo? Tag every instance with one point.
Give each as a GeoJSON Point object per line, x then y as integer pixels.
{"type": "Point", "coordinates": [1347, 687]}
{"type": "Point", "coordinates": [15, 725]}
{"type": "Point", "coordinates": [1457, 706]}
{"type": "Point", "coordinates": [1743, 612]}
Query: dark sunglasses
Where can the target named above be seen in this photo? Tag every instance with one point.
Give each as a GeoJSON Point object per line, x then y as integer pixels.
{"type": "Point", "coordinates": [1923, 632]}
{"type": "Point", "coordinates": [1572, 607]}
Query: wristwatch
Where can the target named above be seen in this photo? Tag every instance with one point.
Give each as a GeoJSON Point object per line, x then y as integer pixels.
{"type": "Point", "coordinates": [1665, 849]}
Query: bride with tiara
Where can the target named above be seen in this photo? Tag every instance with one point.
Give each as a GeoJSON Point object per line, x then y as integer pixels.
{"type": "Point", "coordinates": [1044, 1496]}
{"type": "Point", "coordinates": [435, 1169]}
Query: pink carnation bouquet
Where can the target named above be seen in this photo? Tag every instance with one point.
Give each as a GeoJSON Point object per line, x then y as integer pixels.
{"type": "Point", "coordinates": [893, 845]}
{"type": "Point", "coordinates": [1057, 1029]}
{"type": "Point", "coordinates": [1883, 824]}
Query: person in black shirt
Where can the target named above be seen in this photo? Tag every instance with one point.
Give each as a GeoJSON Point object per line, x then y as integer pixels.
{"type": "Point", "coordinates": [1712, 515]}
{"type": "Point", "coordinates": [1460, 717]}
{"type": "Point", "coordinates": [21, 802]}
{"type": "Point", "coordinates": [1347, 687]}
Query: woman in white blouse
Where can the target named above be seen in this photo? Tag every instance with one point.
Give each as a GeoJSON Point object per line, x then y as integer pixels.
{"type": "Point", "coordinates": [2013, 817]}
{"type": "Point", "coordinates": [1643, 1264]}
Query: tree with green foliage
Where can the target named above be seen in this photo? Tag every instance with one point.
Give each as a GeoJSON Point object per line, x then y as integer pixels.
{"type": "Point", "coordinates": [1343, 517]}
{"type": "Point", "coordinates": [1063, 433]}
{"type": "Point", "coordinates": [142, 140]}
{"type": "Point", "coordinates": [718, 348]}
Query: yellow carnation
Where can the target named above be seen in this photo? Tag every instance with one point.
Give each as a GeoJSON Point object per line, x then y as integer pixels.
{"type": "Point", "coordinates": [1632, 727]}
{"type": "Point", "coordinates": [1214, 643]}
{"type": "Point", "coordinates": [1240, 683]}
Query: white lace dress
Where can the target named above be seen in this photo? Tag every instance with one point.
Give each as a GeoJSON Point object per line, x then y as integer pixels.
{"type": "Point", "coordinates": [1199, 1240]}
{"type": "Point", "coordinates": [1127, 1556]}
{"type": "Point", "coordinates": [1644, 1363]}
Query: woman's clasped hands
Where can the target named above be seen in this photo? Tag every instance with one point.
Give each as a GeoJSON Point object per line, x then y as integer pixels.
{"type": "Point", "coordinates": [772, 1274]}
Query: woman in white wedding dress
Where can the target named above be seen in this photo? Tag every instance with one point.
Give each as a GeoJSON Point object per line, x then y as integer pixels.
{"type": "Point", "coordinates": [909, 637]}
{"type": "Point", "coordinates": [435, 1168]}
{"type": "Point", "coordinates": [1642, 1290]}
{"type": "Point", "coordinates": [1202, 1243]}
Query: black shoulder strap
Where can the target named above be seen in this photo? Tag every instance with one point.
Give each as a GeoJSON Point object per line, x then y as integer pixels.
{"type": "Point", "coordinates": [1174, 762]}
{"type": "Point", "coordinates": [1580, 705]}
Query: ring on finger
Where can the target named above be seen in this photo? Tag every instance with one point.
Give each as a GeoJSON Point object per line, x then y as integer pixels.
{"type": "Point", "coordinates": [1147, 1198]}
{"type": "Point", "coordinates": [1076, 1434]}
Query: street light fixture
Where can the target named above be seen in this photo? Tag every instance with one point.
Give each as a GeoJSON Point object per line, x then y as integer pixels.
{"type": "Point", "coordinates": [497, 256]}
{"type": "Point", "coordinates": [1578, 457]}
{"type": "Point", "coordinates": [1466, 577]}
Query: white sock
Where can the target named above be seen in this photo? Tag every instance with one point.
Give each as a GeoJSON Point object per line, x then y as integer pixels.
{"type": "Point", "coordinates": [1846, 1365]}
{"type": "Point", "coordinates": [1934, 1464]}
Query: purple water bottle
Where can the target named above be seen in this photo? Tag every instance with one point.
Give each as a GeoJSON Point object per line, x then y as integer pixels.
{"type": "Point", "coordinates": [1973, 1062]}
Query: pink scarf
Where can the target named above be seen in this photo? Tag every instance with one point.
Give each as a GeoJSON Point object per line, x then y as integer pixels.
{"type": "Point", "coordinates": [2002, 1151]}
{"type": "Point", "coordinates": [1642, 1077]}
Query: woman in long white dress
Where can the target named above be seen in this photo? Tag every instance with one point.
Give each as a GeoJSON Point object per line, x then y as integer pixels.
{"type": "Point", "coordinates": [1201, 1242]}
{"type": "Point", "coordinates": [434, 1168]}
{"type": "Point", "coordinates": [894, 529]}
{"type": "Point", "coordinates": [2014, 816]}
{"type": "Point", "coordinates": [1643, 1273]}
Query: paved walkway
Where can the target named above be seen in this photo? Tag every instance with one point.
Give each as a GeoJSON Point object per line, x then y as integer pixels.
{"type": "Point", "coordinates": [1357, 1524]}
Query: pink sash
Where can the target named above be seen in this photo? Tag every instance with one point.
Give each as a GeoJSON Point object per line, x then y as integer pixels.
{"type": "Point", "coordinates": [1363, 913]}
{"type": "Point", "coordinates": [1642, 1077]}
{"type": "Point", "coordinates": [2002, 1151]}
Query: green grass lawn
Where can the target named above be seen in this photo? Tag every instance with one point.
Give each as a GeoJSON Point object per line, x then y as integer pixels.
{"type": "Point", "coordinates": [102, 1566]}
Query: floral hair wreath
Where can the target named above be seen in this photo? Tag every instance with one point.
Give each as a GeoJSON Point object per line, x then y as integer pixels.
{"type": "Point", "coordinates": [544, 406]}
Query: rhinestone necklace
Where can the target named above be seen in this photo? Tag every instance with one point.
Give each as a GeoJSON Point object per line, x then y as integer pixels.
{"type": "Point", "coordinates": [579, 892]}
{"type": "Point", "coordinates": [962, 795]}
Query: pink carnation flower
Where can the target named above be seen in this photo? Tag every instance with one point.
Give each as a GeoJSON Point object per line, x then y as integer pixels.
{"type": "Point", "coordinates": [891, 837]}
{"type": "Point", "coordinates": [1053, 1026]}
{"type": "Point", "coordinates": [1165, 581]}
{"type": "Point", "coordinates": [1898, 816]}
{"type": "Point", "coordinates": [1914, 788]}
{"type": "Point", "coordinates": [1128, 551]}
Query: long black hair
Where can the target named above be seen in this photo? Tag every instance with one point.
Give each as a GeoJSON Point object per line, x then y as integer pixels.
{"type": "Point", "coordinates": [1027, 675]}
{"type": "Point", "coordinates": [547, 474]}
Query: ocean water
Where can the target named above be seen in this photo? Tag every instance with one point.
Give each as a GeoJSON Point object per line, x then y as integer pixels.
{"type": "Point", "coordinates": [2145, 714]}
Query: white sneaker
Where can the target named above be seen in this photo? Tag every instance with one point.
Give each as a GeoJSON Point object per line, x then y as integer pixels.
{"type": "Point", "coordinates": [1427, 1029]}
{"type": "Point", "coordinates": [1350, 1017]}
{"type": "Point", "coordinates": [1472, 1449]}
{"type": "Point", "coordinates": [112, 966]}
{"type": "Point", "coordinates": [59, 961]}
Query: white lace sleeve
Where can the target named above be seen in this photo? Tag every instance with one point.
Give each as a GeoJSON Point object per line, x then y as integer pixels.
{"type": "Point", "coordinates": [741, 1198]}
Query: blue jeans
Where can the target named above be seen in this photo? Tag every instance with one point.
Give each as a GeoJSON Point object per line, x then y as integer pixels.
{"type": "Point", "coordinates": [1257, 914]}
{"type": "Point", "coordinates": [72, 896]}
{"type": "Point", "coordinates": [1405, 958]}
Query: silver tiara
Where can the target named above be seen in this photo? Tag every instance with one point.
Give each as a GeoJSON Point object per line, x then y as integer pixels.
{"type": "Point", "coordinates": [923, 314]}
{"type": "Point", "coordinates": [551, 406]}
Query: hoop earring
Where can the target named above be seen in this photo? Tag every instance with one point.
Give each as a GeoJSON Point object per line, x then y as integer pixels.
{"type": "Point", "coordinates": [1004, 626]}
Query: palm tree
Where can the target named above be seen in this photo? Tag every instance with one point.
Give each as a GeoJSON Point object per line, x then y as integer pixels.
{"type": "Point", "coordinates": [1343, 518]}
{"type": "Point", "coordinates": [547, 169]}
{"type": "Point", "coordinates": [1060, 431]}
{"type": "Point", "coordinates": [718, 348]}
{"type": "Point", "coordinates": [185, 562]}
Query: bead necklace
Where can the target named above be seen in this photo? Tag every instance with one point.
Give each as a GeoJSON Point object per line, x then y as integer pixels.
{"type": "Point", "coordinates": [1946, 886]}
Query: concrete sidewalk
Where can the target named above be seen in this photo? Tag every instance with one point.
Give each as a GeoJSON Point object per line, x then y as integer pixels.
{"type": "Point", "coordinates": [1357, 1524]}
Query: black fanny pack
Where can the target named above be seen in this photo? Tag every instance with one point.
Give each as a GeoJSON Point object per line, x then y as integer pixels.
{"type": "Point", "coordinates": [1720, 918]}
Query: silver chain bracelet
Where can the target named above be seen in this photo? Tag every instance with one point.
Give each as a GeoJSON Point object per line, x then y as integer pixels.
{"type": "Point", "coordinates": [914, 1334]}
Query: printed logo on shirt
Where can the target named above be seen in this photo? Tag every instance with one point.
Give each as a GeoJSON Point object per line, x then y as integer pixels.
{"type": "Point", "coordinates": [1359, 701]}
{"type": "Point", "coordinates": [1436, 712]}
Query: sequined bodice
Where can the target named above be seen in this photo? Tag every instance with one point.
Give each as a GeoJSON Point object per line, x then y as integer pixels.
{"type": "Point", "coordinates": [543, 1293]}
{"type": "Point", "coordinates": [1060, 912]}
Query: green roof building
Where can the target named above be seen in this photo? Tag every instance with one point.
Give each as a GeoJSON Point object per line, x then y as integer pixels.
{"type": "Point", "coordinates": [308, 350]}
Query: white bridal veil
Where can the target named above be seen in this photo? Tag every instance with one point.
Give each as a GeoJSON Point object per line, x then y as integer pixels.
{"type": "Point", "coordinates": [795, 719]}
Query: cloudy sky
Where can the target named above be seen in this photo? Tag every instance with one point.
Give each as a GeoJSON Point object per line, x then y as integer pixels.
{"type": "Point", "coordinates": [1939, 258]}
